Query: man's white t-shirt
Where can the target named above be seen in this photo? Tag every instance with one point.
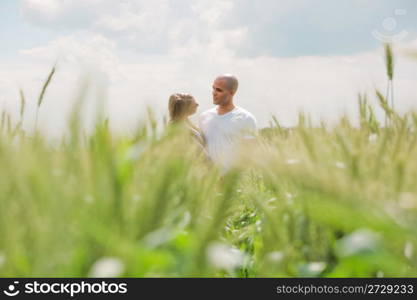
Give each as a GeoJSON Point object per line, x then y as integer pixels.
{"type": "Point", "coordinates": [224, 133]}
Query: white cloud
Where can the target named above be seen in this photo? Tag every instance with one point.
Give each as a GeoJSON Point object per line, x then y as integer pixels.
{"type": "Point", "coordinates": [136, 15]}
{"type": "Point", "coordinates": [145, 26]}
{"type": "Point", "coordinates": [213, 12]}
{"type": "Point", "coordinates": [83, 48]}
{"type": "Point", "coordinates": [68, 14]}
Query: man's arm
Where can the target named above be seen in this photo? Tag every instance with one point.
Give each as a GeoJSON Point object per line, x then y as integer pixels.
{"type": "Point", "coordinates": [250, 130]}
{"type": "Point", "coordinates": [249, 134]}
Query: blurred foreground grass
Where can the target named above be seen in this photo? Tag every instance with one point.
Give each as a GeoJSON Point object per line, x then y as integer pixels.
{"type": "Point", "coordinates": [307, 201]}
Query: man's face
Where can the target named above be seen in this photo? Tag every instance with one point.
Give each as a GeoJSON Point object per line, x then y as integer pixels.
{"type": "Point", "coordinates": [221, 95]}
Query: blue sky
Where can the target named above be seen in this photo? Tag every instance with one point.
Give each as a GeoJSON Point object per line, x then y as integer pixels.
{"type": "Point", "coordinates": [165, 46]}
{"type": "Point", "coordinates": [18, 33]}
{"type": "Point", "coordinates": [330, 27]}
{"type": "Point", "coordinates": [276, 28]}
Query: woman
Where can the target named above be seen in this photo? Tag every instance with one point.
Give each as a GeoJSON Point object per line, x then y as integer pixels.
{"type": "Point", "coordinates": [180, 107]}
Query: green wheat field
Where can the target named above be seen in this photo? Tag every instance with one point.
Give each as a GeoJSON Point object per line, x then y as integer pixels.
{"type": "Point", "coordinates": [309, 201]}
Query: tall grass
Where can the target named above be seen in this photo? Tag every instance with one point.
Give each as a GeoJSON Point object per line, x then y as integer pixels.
{"type": "Point", "coordinates": [389, 64]}
{"type": "Point", "coordinates": [42, 93]}
{"type": "Point", "coordinates": [307, 201]}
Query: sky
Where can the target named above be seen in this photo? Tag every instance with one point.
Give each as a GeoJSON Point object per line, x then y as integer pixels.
{"type": "Point", "coordinates": [289, 56]}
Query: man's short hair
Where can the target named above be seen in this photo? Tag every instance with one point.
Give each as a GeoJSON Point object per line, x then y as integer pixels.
{"type": "Point", "coordinates": [231, 81]}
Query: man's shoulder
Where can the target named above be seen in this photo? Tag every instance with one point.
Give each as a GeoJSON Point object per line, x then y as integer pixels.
{"type": "Point", "coordinates": [244, 113]}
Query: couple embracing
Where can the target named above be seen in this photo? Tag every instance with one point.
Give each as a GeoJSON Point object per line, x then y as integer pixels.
{"type": "Point", "coordinates": [222, 129]}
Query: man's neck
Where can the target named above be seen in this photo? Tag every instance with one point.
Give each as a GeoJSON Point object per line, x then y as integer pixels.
{"type": "Point", "coordinates": [224, 109]}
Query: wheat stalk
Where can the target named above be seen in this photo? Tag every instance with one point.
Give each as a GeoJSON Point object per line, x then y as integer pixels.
{"type": "Point", "coordinates": [389, 63]}
{"type": "Point", "coordinates": [42, 94]}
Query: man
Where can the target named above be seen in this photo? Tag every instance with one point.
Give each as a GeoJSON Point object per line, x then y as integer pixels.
{"type": "Point", "coordinates": [226, 127]}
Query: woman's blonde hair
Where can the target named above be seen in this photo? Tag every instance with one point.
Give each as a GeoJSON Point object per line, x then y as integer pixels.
{"type": "Point", "coordinates": [178, 106]}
